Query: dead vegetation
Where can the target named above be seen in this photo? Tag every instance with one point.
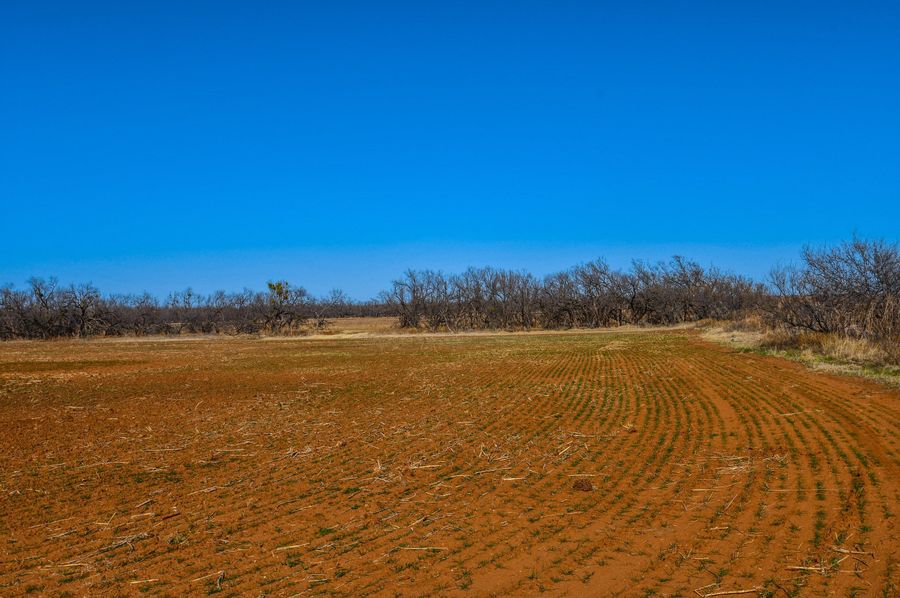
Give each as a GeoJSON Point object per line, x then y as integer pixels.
{"type": "Point", "coordinates": [831, 352]}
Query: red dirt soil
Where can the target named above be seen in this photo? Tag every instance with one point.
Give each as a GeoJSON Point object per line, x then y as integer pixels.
{"type": "Point", "coordinates": [442, 466]}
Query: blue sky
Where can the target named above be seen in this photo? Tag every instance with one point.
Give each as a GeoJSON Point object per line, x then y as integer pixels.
{"type": "Point", "coordinates": [219, 145]}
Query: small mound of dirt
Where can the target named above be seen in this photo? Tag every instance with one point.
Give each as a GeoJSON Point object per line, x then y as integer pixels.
{"type": "Point", "coordinates": [583, 485]}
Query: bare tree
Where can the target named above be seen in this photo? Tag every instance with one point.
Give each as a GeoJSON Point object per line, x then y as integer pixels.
{"type": "Point", "coordinates": [852, 288]}
{"type": "Point", "coordinates": [86, 308]}
{"type": "Point", "coordinates": [285, 307]}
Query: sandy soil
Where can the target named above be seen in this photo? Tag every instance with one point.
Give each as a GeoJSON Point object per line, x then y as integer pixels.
{"type": "Point", "coordinates": [629, 463]}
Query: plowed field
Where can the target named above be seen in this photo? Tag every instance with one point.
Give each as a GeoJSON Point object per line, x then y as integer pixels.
{"type": "Point", "coordinates": [631, 463]}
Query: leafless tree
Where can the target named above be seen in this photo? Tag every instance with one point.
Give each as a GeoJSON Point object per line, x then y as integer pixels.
{"type": "Point", "coordinates": [86, 308]}
{"type": "Point", "coordinates": [852, 288]}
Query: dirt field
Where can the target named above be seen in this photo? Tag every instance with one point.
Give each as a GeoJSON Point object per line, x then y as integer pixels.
{"type": "Point", "coordinates": [636, 463]}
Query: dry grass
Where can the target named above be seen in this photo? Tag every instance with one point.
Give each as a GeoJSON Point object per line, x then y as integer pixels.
{"type": "Point", "coordinates": [361, 326]}
{"type": "Point", "coordinates": [841, 348]}
{"type": "Point", "coordinates": [830, 352]}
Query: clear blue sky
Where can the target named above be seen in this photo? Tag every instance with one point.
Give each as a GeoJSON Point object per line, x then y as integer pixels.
{"type": "Point", "coordinates": [155, 145]}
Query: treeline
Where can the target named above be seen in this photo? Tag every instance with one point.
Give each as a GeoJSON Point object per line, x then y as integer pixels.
{"type": "Point", "coordinates": [46, 310]}
{"type": "Point", "coordinates": [589, 295]}
{"type": "Point", "coordinates": [852, 289]}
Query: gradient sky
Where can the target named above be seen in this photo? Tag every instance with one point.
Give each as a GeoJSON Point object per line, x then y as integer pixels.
{"type": "Point", "coordinates": [164, 144]}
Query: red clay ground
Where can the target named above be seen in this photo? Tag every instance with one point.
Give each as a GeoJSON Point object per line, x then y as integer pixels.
{"type": "Point", "coordinates": [575, 464]}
